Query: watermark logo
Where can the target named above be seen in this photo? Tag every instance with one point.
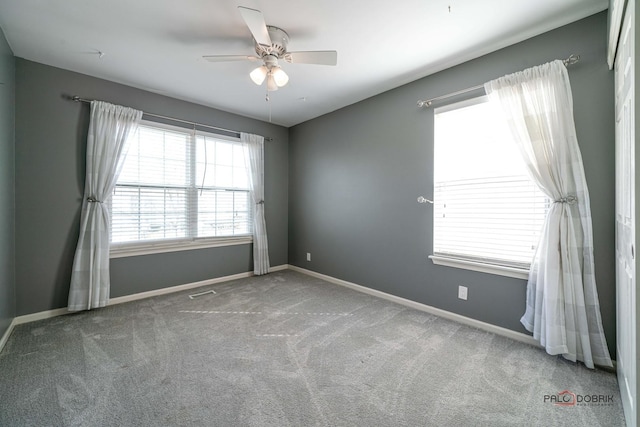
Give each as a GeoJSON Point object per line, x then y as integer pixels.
{"type": "Point", "coordinates": [564, 398]}
{"type": "Point", "coordinates": [568, 398]}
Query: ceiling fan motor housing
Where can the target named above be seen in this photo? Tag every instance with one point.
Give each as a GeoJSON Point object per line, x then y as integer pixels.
{"type": "Point", "coordinates": [279, 41]}
{"type": "Point", "coordinates": [270, 61]}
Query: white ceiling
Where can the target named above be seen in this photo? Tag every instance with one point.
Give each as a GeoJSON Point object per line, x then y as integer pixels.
{"type": "Point", "coordinates": [157, 45]}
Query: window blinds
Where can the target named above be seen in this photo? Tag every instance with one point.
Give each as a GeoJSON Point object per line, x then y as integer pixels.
{"type": "Point", "coordinates": [493, 220]}
{"type": "Point", "coordinates": [179, 185]}
{"type": "Point", "coordinates": [487, 209]}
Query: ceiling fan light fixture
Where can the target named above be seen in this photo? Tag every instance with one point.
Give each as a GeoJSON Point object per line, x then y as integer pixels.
{"type": "Point", "coordinates": [279, 76]}
{"type": "Point", "coordinates": [271, 83]}
{"type": "Point", "coordinates": [258, 75]}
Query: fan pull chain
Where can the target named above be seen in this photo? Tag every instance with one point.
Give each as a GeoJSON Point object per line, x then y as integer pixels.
{"type": "Point", "coordinates": [266, 98]}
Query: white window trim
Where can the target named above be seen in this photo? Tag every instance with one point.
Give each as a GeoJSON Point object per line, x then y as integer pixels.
{"type": "Point", "coordinates": [156, 247]}
{"type": "Point", "coordinates": [500, 270]}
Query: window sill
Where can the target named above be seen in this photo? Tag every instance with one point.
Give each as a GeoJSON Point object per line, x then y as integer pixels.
{"type": "Point", "coordinates": [122, 251]}
{"type": "Point", "coordinates": [499, 270]}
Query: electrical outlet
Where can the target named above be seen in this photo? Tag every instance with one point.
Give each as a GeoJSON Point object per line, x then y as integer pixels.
{"type": "Point", "coordinates": [462, 292]}
{"type": "Point", "coordinates": [308, 256]}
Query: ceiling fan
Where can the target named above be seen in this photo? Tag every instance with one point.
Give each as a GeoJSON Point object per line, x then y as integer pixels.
{"type": "Point", "coordinates": [270, 46]}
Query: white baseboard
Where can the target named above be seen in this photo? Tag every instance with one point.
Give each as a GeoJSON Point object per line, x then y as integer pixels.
{"type": "Point", "coordinates": [278, 268]}
{"type": "Point", "coordinates": [7, 334]}
{"type": "Point", "coordinates": [498, 330]}
{"type": "Point", "coordinates": [187, 286]}
{"type": "Point", "coordinates": [178, 288]}
{"type": "Point", "coordinates": [27, 318]}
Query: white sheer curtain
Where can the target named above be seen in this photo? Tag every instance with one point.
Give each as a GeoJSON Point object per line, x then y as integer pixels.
{"type": "Point", "coordinates": [109, 128]}
{"type": "Point", "coordinates": [255, 159]}
{"type": "Point", "coordinates": [562, 309]}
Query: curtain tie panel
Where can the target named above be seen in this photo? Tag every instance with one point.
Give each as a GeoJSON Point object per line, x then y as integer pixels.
{"type": "Point", "coordinates": [254, 145]}
{"type": "Point", "coordinates": [109, 129]}
{"type": "Point", "coordinates": [562, 305]}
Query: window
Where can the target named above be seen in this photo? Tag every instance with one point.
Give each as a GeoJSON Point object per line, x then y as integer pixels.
{"type": "Point", "coordinates": [488, 213]}
{"type": "Point", "coordinates": [178, 188]}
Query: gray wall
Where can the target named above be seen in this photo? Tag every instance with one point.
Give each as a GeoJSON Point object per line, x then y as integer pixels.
{"type": "Point", "coordinates": [50, 157]}
{"type": "Point", "coordinates": [355, 174]}
{"type": "Point", "coordinates": [7, 193]}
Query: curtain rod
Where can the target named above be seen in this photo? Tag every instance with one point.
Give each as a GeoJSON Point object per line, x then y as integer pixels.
{"type": "Point", "coordinates": [572, 59]}
{"type": "Point", "coordinates": [88, 101]}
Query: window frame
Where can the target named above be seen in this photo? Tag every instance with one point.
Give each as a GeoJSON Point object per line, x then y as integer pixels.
{"type": "Point", "coordinates": [499, 270]}
{"type": "Point", "coordinates": [490, 266]}
{"type": "Point", "coordinates": [147, 247]}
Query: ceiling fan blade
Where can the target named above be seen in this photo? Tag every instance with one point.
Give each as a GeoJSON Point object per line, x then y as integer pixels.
{"type": "Point", "coordinates": [255, 21]}
{"type": "Point", "coordinates": [320, 57]}
{"type": "Point", "coordinates": [226, 58]}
